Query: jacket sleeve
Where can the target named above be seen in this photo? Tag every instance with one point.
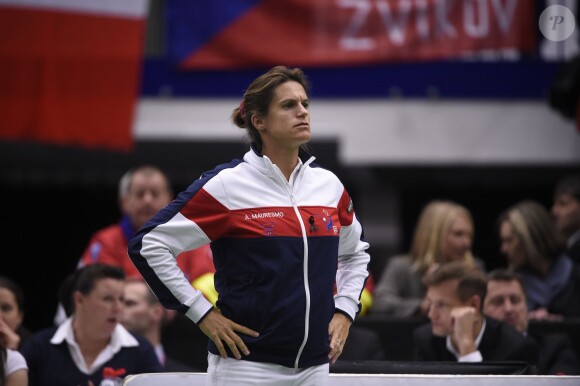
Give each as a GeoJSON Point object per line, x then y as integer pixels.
{"type": "Point", "coordinates": [199, 269]}
{"type": "Point", "coordinates": [193, 219]}
{"type": "Point", "coordinates": [353, 260]}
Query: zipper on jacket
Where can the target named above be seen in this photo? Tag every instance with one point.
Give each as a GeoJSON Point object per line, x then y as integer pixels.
{"type": "Point", "coordinates": [306, 284]}
{"type": "Point", "coordinates": [289, 189]}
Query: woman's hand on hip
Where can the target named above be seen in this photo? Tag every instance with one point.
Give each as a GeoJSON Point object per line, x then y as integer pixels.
{"type": "Point", "coordinates": [222, 331]}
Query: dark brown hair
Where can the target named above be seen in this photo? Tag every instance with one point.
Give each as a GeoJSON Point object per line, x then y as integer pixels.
{"type": "Point", "coordinates": [84, 280]}
{"type": "Point", "coordinates": [569, 185]}
{"type": "Point", "coordinates": [471, 281]}
{"type": "Point", "coordinates": [11, 286]}
{"type": "Point", "coordinates": [258, 96]}
{"type": "Point", "coordinates": [504, 275]}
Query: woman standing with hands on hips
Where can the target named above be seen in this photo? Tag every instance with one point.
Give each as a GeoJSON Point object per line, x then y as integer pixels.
{"type": "Point", "coordinates": [282, 231]}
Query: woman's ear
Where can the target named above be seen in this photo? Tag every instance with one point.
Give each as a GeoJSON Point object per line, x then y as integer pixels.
{"type": "Point", "coordinates": [257, 122]}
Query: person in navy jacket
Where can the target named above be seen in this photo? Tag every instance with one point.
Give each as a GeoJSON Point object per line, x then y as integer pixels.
{"type": "Point", "coordinates": [282, 230]}
{"type": "Point", "coordinates": [90, 346]}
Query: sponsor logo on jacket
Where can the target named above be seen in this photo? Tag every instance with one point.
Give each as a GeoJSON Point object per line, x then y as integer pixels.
{"type": "Point", "coordinates": [255, 216]}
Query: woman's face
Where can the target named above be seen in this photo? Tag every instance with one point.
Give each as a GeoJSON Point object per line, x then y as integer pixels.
{"type": "Point", "coordinates": [458, 240]}
{"type": "Point", "coordinates": [287, 124]}
{"type": "Point", "coordinates": [100, 309]}
{"type": "Point", "coordinates": [9, 310]}
{"type": "Point", "coordinates": [511, 245]}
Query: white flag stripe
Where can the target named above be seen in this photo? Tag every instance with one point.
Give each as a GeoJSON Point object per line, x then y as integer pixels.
{"type": "Point", "coordinates": [119, 8]}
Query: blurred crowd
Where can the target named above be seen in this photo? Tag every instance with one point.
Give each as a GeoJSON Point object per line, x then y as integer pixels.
{"type": "Point", "coordinates": [110, 324]}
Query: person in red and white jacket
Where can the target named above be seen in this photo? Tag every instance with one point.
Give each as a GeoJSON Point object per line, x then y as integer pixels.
{"type": "Point", "coordinates": [282, 231]}
{"type": "Point", "coordinates": [143, 191]}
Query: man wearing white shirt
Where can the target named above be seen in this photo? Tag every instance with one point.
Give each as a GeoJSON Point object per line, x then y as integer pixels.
{"type": "Point", "coordinates": [458, 330]}
{"type": "Point", "coordinates": [90, 346]}
{"type": "Point", "coordinates": [14, 367]}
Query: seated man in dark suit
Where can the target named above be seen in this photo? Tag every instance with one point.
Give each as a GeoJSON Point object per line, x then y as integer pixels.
{"type": "Point", "coordinates": [458, 330]}
{"type": "Point", "coordinates": [506, 301]}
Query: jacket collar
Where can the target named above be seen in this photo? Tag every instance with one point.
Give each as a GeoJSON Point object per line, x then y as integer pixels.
{"type": "Point", "coordinates": [265, 165]}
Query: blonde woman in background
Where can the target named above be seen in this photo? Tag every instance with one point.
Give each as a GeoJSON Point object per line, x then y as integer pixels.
{"type": "Point", "coordinates": [535, 251]}
{"type": "Point", "coordinates": [443, 233]}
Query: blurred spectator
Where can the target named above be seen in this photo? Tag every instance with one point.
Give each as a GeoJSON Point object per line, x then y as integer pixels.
{"type": "Point", "coordinates": [506, 302]}
{"type": "Point", "coordinates": [12, 332]}
{"type": "Point", "coordinates": [13, 369]}
{"type": "Point", "coordinates": [533, 249]}
{"type": "Point", "coordinates": [90, 345]}
{"type": "Point", "coordinates": [144, 191]}
{"type": "Point", "coordinates": [144, 315]}
{"type": "Point", "coordinates": [458, 330]}
{"type": "Point", "coordinates": [443, 233]}
{"type": "Point", "coordinates": [566, 213]}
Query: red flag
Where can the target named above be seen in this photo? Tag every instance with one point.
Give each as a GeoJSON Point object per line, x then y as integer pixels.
{"type": "Point", "coordinates": [70, 70]}
{"type": "Point", "coordinates": [337, 33]}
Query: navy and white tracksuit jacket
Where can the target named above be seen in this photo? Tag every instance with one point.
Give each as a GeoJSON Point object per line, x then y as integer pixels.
{"type": "Point", "coordinates": [278, 248]}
